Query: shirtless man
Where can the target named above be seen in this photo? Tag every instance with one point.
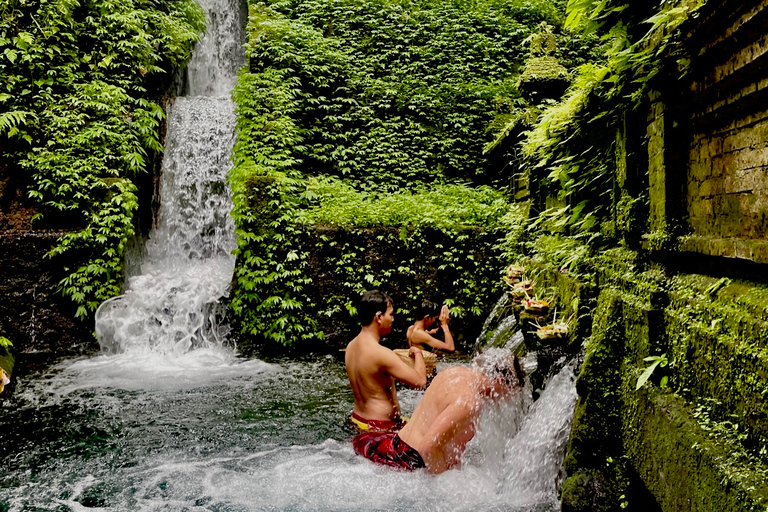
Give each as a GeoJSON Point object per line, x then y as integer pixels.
{"type": "Point", "coordinates": [373, 369]}
{"type": "Point", "coordinates": [420, 333]}
{"type": "Point", "coordinates": [445, 419]}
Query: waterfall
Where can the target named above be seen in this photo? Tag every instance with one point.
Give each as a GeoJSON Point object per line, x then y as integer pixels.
{"type": "Point", "coordinates": [535, 455]}
{"type": "Point", "coordinates": [212, 70]}
{"type": "Point", "coordinates": [534, 430]}
{"type": "Point", "coordinates": [174, 303]}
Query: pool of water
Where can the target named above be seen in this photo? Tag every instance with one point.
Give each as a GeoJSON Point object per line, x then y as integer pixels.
{"type": "Point", "coordinates": [209, 431]}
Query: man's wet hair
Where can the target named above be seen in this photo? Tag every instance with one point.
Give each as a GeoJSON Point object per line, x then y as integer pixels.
{"type": "Point", "coordinates": [371, 303]}
{"type": "Point", "coordinates": [427, 308]}
{"type": "Point", "coordinates": [498, 363]}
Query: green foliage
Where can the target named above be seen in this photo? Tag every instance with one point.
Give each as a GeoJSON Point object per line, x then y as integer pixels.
{"type": "Point", "coordinates": [454, 267]}
{"type": "Point", "coordinates": [570, 153]}
{"type": "Point", "coordinates": [271, 273]}
{"type": "Point", "coordinates": [371, 115]}
{"type": "Point", "coordinates": [271, 296]}
{"type": "Point", "coordinates": [5, 342]}
{"type": "Point", "coordinates": [78, 78]}
{"type": "Point", "coordinates": [444, 207]}
{"type": "Point", "coordinates": [660, 361]}
{"type": "Point", "coordinates": [514, 232]}
{"type": "Point", "coordinates": [569, 254]}
{"type": "Point", "coordinates": [402, 90]}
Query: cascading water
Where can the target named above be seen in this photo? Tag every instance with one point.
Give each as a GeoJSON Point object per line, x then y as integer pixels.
{"type": "Point", "coordinates": [534, 456]}
{"type": "Point", "coordinates": [212, 70]}
{"type": "Point", "coordinates": [174, 305]}
{"type": "Point", "coordinates": [497, 314]}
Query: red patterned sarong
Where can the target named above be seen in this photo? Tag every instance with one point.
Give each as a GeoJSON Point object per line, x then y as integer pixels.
{"type": "Point", "coordinates": [387, 448]}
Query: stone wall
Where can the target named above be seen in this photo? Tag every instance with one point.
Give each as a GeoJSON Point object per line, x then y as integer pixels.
{"type": "Point", "coordinates": [695, 437]}
{"type": "Point", "coordinates": [716, 162]}
{"type": "Point", "coordinates": [33, 315]}
{"type": "Point", "coordinates": [695, 442]}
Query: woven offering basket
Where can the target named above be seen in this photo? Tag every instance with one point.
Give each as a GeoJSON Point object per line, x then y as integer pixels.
{"type": "Point", "coordinates": [549, 332]}
{"type": "Point", "coordinates": [430, 359]}
{"type": "Point", "coordinates": [536, 307]}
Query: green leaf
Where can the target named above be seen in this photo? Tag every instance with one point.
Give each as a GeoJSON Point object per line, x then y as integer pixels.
{"type": "Point", "coordinates": [645, 375]}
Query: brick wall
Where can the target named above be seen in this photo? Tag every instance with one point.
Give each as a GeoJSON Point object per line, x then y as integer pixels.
{"type": "Point", "coordinates": [726, 125]}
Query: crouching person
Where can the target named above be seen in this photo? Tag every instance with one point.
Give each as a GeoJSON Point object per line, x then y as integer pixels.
{"type": "Point", "coordinates": [445, 419]}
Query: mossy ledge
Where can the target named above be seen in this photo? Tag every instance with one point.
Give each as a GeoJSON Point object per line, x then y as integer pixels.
{"type": "Point", "coordinates": [697, 441]}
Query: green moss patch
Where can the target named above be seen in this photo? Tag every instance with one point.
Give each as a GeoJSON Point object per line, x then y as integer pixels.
{"type": "Point", "coordinates": [683, 464]}
{"type": "Point", "coordinates": [717, 333]}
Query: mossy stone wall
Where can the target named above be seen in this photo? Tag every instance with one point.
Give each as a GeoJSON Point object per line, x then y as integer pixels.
{"type": "Point", "coordinates": [708, 135]}
{"type": "Point", "coordinates": [695, 436]}
{"type": "Point", "coordinates": [697, 443]}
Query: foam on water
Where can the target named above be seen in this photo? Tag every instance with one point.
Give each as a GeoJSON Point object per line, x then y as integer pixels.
{"type": "Point", "coordinates": [252, 436]}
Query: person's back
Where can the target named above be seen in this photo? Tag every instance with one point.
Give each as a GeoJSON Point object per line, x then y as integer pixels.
{"type": "Point", "coordinates": [374, 391]}
{"type": "Point", "coordinates": [444, 421]}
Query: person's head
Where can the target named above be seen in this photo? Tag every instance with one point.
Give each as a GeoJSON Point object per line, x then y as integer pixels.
{"type": "Point", "coordinates": [502, 368]}
{"type": "Point", "coordinates": [428, 311]}
{"type": "Point", "coordinates": [376, 306]}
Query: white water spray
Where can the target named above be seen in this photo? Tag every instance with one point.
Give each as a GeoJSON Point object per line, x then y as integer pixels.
{"type": "Point", "coordinates": [534, 456]}
{"type": "Point", "coordinates": [175, 304]}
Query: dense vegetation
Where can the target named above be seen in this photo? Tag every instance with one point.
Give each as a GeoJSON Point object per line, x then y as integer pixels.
{"type": "Point", "coordinates": [79, 117]}
{"type": "Point", "coordinates": [401, 116]}
{"type": "Point", "coordinates": [570, 153]}
{"type": "Point", "coordinates": [376, 114]}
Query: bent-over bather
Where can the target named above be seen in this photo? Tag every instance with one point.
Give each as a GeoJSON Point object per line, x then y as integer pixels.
{"type": "Point", "coordinates": [387, 448]}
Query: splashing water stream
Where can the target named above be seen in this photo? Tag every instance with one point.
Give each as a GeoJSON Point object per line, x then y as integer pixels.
{"type": "Point", "coordinates": [216, 433]}
{"type": "Point", "coordinates": [169, 418]}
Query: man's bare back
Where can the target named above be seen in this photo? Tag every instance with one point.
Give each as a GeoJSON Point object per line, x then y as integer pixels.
{"type": "Point", "coordinates": [373, 369]}
{"type": "Point", "coordinates": [444, 421]}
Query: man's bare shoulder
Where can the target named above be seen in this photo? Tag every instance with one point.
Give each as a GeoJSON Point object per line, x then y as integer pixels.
{"type": "Point", "coordinates": [368, 349]}
{"type": "Point", "coordinates": [455, 373]}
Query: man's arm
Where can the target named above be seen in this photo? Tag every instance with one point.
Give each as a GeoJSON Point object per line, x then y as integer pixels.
{"type": "Point", "coordinates": [423, 337]}
{"type": "Point", "coordinates": [415, 377]}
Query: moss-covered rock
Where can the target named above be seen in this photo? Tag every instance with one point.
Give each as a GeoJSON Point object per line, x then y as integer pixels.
{"type": "Point", "coordinates": [588, 491]}
{"type": "Point", "coordinates": [543, 77]}
{"type": "Point", "coordinates": [595, 435]}
{"type": "Point", "coordinates": [698, 446]}
{"type": "Point", "coordinates": [717, 331]}
{"type": "Point", "coordinates": [683, 460]}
